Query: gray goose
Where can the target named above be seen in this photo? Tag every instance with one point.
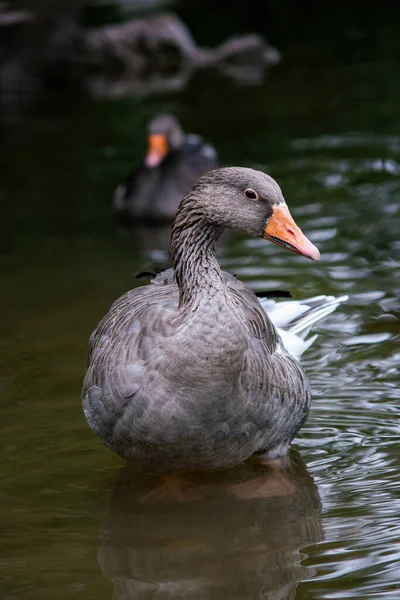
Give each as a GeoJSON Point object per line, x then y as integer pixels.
{"type": "Point", "coordinates": [173, 163]}
{"type": "Point", "coordinates": [189, 372]}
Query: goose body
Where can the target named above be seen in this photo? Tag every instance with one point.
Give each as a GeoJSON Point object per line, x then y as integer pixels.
{"type": "Point", "coordinates": [173, 164]}
{"type": "Point", "coordinates": [189, 372]}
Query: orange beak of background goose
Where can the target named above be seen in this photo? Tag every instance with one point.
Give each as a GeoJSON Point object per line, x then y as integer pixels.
{"type": "Point", "coordinates": [282, 230]}
{"type": "Point", "coordinates": [157, 150]}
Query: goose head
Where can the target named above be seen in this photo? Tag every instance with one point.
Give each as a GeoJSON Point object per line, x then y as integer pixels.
{"type": "Point", "coordinates": [165, 134]}
{"type": "Point", "coordinates": [252, 202]}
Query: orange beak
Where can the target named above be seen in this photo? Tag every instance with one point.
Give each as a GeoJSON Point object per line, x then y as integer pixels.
{"type": "Point", "coordinates": [282, 230]}
{"type": "Point", "coordinates": [158, 149]}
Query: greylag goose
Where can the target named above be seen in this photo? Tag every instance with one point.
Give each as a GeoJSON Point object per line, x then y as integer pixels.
{"type": "Point", "coordinates": [173, 163]}
{"type": "Point", "coordinates": [189, 372]}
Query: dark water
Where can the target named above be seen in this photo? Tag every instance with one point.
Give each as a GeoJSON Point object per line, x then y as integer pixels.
{"type": "Point", "coordinates": [74, 522]}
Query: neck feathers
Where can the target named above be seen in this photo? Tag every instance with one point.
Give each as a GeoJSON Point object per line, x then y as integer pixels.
{"type": "Point", "coordinates": [192, 251]}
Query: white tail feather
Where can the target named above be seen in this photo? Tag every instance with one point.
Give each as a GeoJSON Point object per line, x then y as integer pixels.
{"type": "Point", "coordinates": [294, 319]}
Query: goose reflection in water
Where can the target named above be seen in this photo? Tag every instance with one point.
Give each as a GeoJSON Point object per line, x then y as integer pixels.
{"type": "Point", "coordinates": [228, 534]}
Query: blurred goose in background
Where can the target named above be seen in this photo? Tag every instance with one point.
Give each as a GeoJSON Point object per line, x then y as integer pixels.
{"type": "Point", "coordinates": [190, 372]}
{"type": "Point", "coordinates": [172, 165]}
{"type": "Point", "coordinates": [157, 52]}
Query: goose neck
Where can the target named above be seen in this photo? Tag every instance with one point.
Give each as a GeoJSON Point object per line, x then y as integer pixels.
{"type": "Point", "coordinates": [192, 249]}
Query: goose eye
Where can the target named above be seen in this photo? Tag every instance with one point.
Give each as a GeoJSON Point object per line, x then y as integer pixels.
{"type": "Point", "coordinates": [251, 194]}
